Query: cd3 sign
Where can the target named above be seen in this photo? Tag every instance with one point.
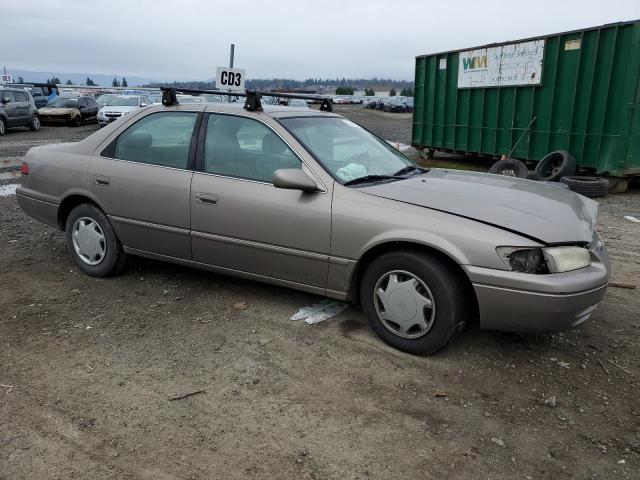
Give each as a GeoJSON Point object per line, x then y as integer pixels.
{"type": "Point", "coordinates": [230, 78]}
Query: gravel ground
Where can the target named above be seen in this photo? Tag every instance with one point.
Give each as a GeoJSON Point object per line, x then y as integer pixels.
{"type": "Point", "coordinates": [89, 367]}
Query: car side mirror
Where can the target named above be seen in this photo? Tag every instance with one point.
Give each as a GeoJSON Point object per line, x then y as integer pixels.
{"type": "Point", "coordinates": [293, 179]}
{"type": "Point", "coordinates": [5, 101]}
{"type": "Point", "coordinates": [143, 104]}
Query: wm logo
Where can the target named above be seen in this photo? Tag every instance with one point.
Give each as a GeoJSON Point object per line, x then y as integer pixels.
{"type": "Point", "coordinates": [474, 63]}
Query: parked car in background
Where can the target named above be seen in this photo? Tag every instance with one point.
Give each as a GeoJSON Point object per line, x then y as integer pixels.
{"type": "Point", "coordinates": [105, 98]}
{"type": "Point", "coordinates": [191, 99]}
{"type": "Point", "coordinates": [259, 195]}
{"type": "Point", "coordinates": [409, 104]}
{"type": "Point", "coordinates": [41, 92]}
{"type": "Point", "coordinates": [120, 106]}
{"type": "Point", "coordinates": [210, 98]}
{"type": "Point", "coordinates": [17, 109]}
{"type": "Point", "coordinates": [69, 109]}
{"type": "Point", "coordinates": [155, 98]}
{"type": "Point", "coordinates": [298, 103]}
{"type": "Point", "coordinates": [396, 105]}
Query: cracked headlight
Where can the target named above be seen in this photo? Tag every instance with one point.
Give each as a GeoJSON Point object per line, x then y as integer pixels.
{"type": "Point", "coordinates": [544, 260]}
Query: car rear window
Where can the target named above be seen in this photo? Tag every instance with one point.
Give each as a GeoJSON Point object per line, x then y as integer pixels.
{"type": "Point", "coordinates": [161, 139]}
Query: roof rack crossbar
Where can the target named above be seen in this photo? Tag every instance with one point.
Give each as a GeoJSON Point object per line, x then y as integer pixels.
{"type": "Point", "coordinates": [252, 102]}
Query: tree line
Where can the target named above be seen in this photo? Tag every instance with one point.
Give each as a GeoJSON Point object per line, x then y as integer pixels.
{"type": "Point", "coordinates": [88, 82]}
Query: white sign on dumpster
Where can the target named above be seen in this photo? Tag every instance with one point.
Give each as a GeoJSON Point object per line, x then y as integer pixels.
{"type": "Point", "coordinates": [6, 78]}
{"type": "Point", "coordinates": [230, 78]}
{"type": "Point", "coordinates": [505, 65]}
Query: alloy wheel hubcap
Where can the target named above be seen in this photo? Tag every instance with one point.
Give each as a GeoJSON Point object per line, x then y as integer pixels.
{"type": "Point", "coordinates": [404, 304]}
{"type": "Point", "coordinates": [36, 123]}
{"type": "Point", "coordinates": [89, 241]}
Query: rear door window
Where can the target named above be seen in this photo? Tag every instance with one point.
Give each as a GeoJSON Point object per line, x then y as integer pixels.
{"type": "Point", "coordinates": [8, 96]}
{"type": "Point", "coordinates": [21, 97]}
{"type": "Point", "coordinates": [160, 139]}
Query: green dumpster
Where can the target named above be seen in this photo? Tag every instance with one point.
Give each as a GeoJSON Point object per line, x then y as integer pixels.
{"type": "Point", "coordinates": [577, 91]}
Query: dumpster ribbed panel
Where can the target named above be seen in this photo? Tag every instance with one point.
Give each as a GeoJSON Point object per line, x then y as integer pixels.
{"type": "Point", "coordinates": [586, 103]}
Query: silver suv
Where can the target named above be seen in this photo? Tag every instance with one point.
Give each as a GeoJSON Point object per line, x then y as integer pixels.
{"type": "Point", "coordinates": [17, 109]}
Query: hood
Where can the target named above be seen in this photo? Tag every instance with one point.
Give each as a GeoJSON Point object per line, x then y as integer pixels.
{"type": "Point", "coordinates": [117, 109]}
{"type": "Point", "coordinates": [539, 210]}
{"type": "Point", "coordinates": [56, 111]}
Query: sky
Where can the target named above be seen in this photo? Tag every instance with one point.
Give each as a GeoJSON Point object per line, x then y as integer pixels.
{"type": "Point", "coordinates": [188, 39]}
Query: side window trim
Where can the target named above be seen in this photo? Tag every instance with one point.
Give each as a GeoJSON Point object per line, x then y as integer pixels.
{"type": "Point", "coordinates": [110, 150]}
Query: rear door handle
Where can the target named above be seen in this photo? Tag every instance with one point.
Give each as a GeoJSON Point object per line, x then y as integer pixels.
{"type": "Point", "coordinates": [208, 198]}
{"type": "Point", "coordinates": [102, 180]}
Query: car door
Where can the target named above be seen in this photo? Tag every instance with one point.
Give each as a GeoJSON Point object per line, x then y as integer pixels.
{"type": "Point", "coordinates": [240, 221]}
{"type": "Point", "coordinates": [11, 108]}
{"type": "Point", "coordinates": [22, 104]}
{"type": "Point", "coordinates": [142, 180]}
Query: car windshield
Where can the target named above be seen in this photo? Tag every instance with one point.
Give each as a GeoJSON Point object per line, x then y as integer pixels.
{"type": "Point", "coordinates": [63, 103]}
{"type": "Point", "coordinates": [105, 98]}
{"type": "Point", "coordinates": [124, 102]}
{"type": "Point", "coordinates": [346, 150]}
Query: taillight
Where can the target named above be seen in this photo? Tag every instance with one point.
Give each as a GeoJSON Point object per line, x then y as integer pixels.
{"type": "Point", "coordinates": [24, 168]}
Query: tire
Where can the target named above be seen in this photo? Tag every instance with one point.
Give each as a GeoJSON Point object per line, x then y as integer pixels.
{"type": "Point", "coordinates": [86, 217]}
{"type": "Point", "coordinates": [77, 122]}
{"type": "Point", "coordinates": [556, 165]}
{"type": "Point", "coordinates": [35, 124]}
{"type": "Point", "coordinates": [436, 280]}
{"type": "Point", "coordinates": [592, 187]}
{"type": "Point", "coordinates": [3, 127]}
{"type": "Point", "coordinates": [510, 167]}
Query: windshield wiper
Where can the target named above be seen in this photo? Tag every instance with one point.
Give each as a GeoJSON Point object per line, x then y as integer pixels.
{"type": "Point", "coordinates": [409, 169]}
{"type": "Point", "coordinates": [372, 178]}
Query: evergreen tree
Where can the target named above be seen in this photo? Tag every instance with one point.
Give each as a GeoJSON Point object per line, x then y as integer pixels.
{"type": "Point", "coordinates": [124, 82]}
{"type": "Point", "coordinates": [115, 83]}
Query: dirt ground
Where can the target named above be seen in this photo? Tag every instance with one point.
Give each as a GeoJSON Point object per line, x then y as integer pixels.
{"type": "Point", "coordinates": [89, 369]}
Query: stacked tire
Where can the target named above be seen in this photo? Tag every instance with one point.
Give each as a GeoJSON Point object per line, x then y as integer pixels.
{"type": "Point", "coordinates": [592, 187]}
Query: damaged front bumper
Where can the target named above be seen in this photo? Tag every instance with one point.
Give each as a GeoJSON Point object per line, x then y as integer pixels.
{"type": "Point", "coordinates": [522, 302]}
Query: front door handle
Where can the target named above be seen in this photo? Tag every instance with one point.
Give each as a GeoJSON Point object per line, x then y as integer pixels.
{"type": "Point", "coordinates": [102, 180]}
{"type": "Point", "coordinates": [208, 198]}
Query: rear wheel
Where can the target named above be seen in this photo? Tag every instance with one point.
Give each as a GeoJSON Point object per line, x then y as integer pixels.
{"type": "Point", "coordinates": [35, 123]}
{"type": "Point", "coordinates": [92, 242]}
{"type": "Point", "coordinates": [414, 301]}
{"type": "Point", "coordinates": [3, 127]}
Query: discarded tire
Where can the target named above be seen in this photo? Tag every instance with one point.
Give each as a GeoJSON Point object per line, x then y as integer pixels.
{"type": "Point", "coordinates": [593, 187]}
{"type": "Point", "coordinates": [510, 168]}
{"type": "Point", "coordinates": [556, 165]}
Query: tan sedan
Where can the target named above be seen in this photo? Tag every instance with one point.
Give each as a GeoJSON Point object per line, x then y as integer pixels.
{"type": "Point", "coordinates": [310, 200]}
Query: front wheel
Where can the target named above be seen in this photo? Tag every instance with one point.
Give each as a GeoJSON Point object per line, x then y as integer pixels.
{"type": "Point", "coordinates": [3, 127]}
{"type": "Point", "coordinates": [92, 242]}
{"type": "Point", "coordinates": [414, 301]}
{"type": "Point", "coordinates": [77, 121]}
